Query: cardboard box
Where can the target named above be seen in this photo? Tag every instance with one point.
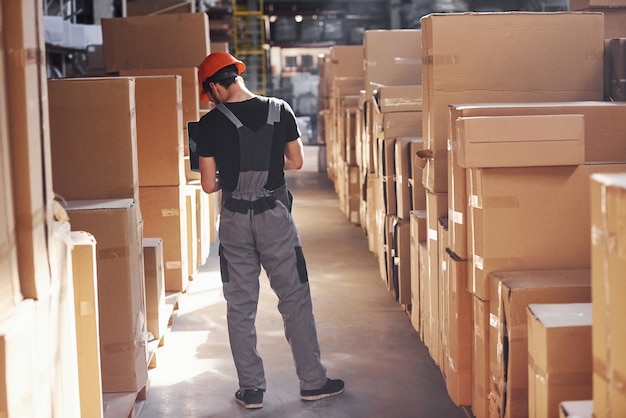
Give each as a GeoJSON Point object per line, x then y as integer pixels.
{"type": "Point", "coordinates": [576, 409]}
{"type": "Point", "coordinates": [511, 293]}
{"type": "Point", "coordinates": [192, 230]}
{"type": "Point", "coordinates": [418, 192]}
{"type": "Point", "coordinates": [163, 41]}
{"type": "Point", "coordinates": [392, 58]}
{"type": "Point", "coordinates": [605, 122]}
{"type": "Point", "coordinates": [520, 141]}
{"type": "Point", "coordinates": [559, 356]}
{"type": "Point", "coordinates": [436, 207]}
{"type": "Point", "coordinates": [18, 362]}
{"type": "Point", "coordinates": [424, 292]}
{"type": "Point", "coordinates": [467, 59]}
{"type": "Point", "coordinates": [459, 333]}
{"type": "Point", "coordinates": [189, 89]}
{"type": "Point", "coordinates": [156, 318]}
{"type": "Point", "coordinates": [399, 98]}
{"type": "Point", "coordinates": [457, 194]}
{"type": "Point", "coordinates": [443, 293]}
{"type": "Point", "coordinates": [27, 110]}
{"type": "Point", "coordinates": [117, 228]}
{"type": "Point", "coordinates": [105, 165]}
{"type": "Point", "coordinates": [165, 215]}
{"type": "Point", "coordinates": [530, 218]}
{"type": "Point", "coordinates": [85, 282]}
{"type": "Point", "coordinates": [402, 159]}
{"type": "Point", "coordinates": [579, 5]}
{"type": "Point", "coordinates": [417, 221]}
{"type": "Point", "coordinates": [386, 180]}
{"type": "Point", "coordinates": [608, 266]}
{"type": "Point", "coordinates": [9, 279]}
{"type": "Point", "coordinates": [347, 60]}
{"type": "Point", "coordinates": [480, 358]}
{"type": "Point", "coordinates": [159, 130]}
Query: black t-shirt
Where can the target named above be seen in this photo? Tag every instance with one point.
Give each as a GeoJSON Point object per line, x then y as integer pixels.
{"type": "Point", "coordinates": [218, 138]}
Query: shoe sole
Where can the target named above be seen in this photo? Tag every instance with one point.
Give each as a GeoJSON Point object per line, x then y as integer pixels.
{"type": "Point", "coordinates": [249, 405]}
{"type": "Point", "coordinates": [320, 396]}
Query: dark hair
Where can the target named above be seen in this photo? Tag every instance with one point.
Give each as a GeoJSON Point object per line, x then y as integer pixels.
{"type": "Point", "coordinates": [225, 77]}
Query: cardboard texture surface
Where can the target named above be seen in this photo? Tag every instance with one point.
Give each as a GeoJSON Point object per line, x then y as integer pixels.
{"type": "Point", "coordinates": [455, 48]}
{"type": "Point", "coordinates": [480, 358]}
{"type": "Point", "coordinates": [117, 228]}
{"type": "Point", "coordinates": [608, 264]}
{"type": "Point", "coordinates": [105, 165]}
{"type": "Point", "coordinates": [399, 98]}
{"type": "Point", "coordinates": [189, 91]}
{"type": "Point", "coordinates": [347, 60]}
{"type": "Point", "coordinates": [18, 362]}
{"type": "Point", "coordinates": [530, 218]}
{"type": "Point", "coordinates": [10, 294]}
{"type": "Point", "coordinates": [163, 41]}
{"type": "Point", "coordinates": [520, 141]}
{"type": "Point", "coordinates": [559, 356]}
{"type": "Point", "coordinates": [26, 91]}
{"type": "Point", "coordinates": [156, 318]}
{"type": "Point", "coordinates": [159, 130]}
{"type": "Point", "coordinates": [392, 58]}
{"type": "Point", "coordinates": [164, 215]}
{"type": "Point", "coordinates": [511, 293]}
{"type": "Point", "coordinates": [85, 281]}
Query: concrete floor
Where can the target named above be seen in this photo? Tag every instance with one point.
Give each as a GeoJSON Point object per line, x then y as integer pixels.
{"type": "Point", "coordinates": [366, 338]}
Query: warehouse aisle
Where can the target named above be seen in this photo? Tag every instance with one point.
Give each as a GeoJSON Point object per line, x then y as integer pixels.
{"type": "Point", "coordinates": [365, 336]}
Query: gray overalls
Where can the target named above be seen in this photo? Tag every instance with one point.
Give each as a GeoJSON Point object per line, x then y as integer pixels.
{"type": "Point", "coordinates": [256, 228]}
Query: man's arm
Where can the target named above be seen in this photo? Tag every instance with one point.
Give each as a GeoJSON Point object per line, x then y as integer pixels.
{"type": "Point", "coordinates": [294, 155]}
{"type": "Point", "coordinates": [208, 173]}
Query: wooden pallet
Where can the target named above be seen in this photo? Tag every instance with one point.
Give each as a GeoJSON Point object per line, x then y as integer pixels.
{"type": "Point", "coordinates": [122, 404]}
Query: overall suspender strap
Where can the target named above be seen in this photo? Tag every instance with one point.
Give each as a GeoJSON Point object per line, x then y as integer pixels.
{"type": "Point", "coordinates": [229, 114]}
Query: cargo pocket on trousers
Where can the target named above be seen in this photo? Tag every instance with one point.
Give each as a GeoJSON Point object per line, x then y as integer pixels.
{"type": "Point", "coordinates": [223, 265]}
{"type": "Point", "coordinates": [301, 264]}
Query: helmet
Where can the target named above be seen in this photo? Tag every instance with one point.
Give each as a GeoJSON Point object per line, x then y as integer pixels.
{"type": "Point", "coordinates": [212, 64]}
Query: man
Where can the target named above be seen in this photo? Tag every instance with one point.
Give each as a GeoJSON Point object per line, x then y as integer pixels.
{"type": "Point", "coordinates": [244, 145]}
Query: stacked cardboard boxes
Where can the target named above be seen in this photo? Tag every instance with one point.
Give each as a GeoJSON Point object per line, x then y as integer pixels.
{"type": "Point", "coordinates": [38, 342]}
{"type": "Point", "coordinates": [499, 189]}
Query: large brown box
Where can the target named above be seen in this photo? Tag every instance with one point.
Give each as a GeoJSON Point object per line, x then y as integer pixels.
{"type": "Point", "coordinates": [85, 281]}
{"type": "Point", "coordinates": [467, 58]}
{"type": "Point", "coordinates": [159, 130]}
{"type": "Point", "coordinates": [164, 215]}
{"type": "Point", "coordinates": [163, 41]}
{"type": "Point", "coordinates": [559, 356]}
{"type": "Point", "coordinates": [480, 358]}
{"type": "Point", "coordinates": [520, 141]}
{"type": "Point", "coordinates": [29, 152]}
{"type": "Point", "coordinates": [392, 58]}
{"type": "Point", "coordinates": [458, 332]}
{"type": "Point", "coordinates": [94, 142]}
{"type": "Point", "coordinates": [399, 98]}
{"type": "Point", "coordinates": [9, 279]}
{"type": "Point", "coordinates": [417, 222]}
{"type": "Point", "coordinates": [530, 218]}
{"type": "Point", "coordinates": [511, 293]}
{"type": "Point", "coordinates": [608, 267]}
{"type": "Point", "coordinates": [117, 228]}
{"type": "Point", "coordinates": [189, 93]}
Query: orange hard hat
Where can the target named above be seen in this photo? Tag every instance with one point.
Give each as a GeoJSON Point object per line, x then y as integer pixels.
{"type": "Point", "coordinates": [212, 64]}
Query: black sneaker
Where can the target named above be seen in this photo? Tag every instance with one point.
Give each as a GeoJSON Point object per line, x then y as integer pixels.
{"type": "Point", "coordinates": [250, 398]}
{"type": "Point", "coordinates": [331, 388]}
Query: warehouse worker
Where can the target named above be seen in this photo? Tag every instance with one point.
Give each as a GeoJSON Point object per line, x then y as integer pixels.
{"type": "Point", "coordinates": [250, 140]}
